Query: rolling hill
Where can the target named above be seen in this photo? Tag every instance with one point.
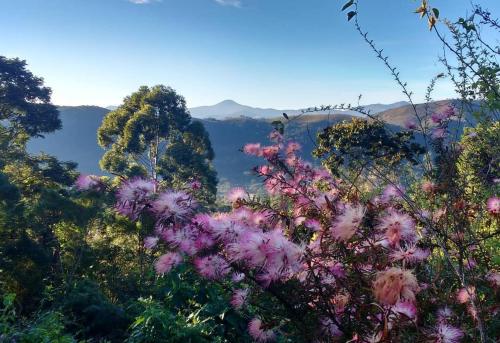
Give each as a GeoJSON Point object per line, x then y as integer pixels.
{"type": "Point", "coordinates": [231, 109]}
{"type": "Point", "coordinates": [77, 140]}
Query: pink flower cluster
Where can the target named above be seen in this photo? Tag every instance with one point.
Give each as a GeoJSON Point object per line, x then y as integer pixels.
{"type": "Point", "coordinates": [312, 237]}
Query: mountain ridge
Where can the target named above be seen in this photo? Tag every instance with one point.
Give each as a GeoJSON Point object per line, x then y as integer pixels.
{"type": "Point", "coordinates": [77, 140]}
{"type": "Point", "coordinates": [230, 108]}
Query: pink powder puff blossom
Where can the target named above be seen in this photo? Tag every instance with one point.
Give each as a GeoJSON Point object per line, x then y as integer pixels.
{"type": "Point", "coordinates": [239, 298]}
{"type": "Point", "coordinates": [493, 278]}
{"type": "Point", "coordinates": [312, 224]}
{"type": "Point", "coordinates": [212, 267]}
{"type": "Point", "coordinates": [133, 196]}
{"type": "Point", "coordinates": [150, 242]}
{"type": "Point", "coordinates": [410, 254]}
{"type": "Point", "coordinates": [493, 205]}
{"type": "Point", "coordinates": [173, 203]}
{"type": "Point", "coordinates": [428, 187]}
{"type": "Point", "coordinates": [292, 148]}
{"type": "Point", "coordinates": [406, 308]}
{"type": "Point", "coordinates": [392, 192]}
{"type": "Point", "coordinates": [275, 136]}
{"type": "Point", "coordinates": [445, 333]}
{"type": "Point", "coordinates": [438, 133]}
{"type": "Point", "coordinates": [252, 149]}
{"type": "Point", "coordinates": [329, 328]}
{"type": "Point", "coordinates": [166, 262]}
{"type": "Point", "coordinates": [411, 124]}
{"type": "Point", "coordinates": [397, 226]}
{"type": "Point", "coordinates": [236, 194]}
{"type": "Point", "coordinates": [348, 222]}
{"type": "Point", "coordinates": [465, 294]}
{"type": "Point", "coordinates": [394, 284]}
{"type": "Point", "coordinates": [444, 314]}
{"type": "Point", "coordinates": [270, 152]}
{"type": "Point", "coordinates": [258, 333]}
{"type": "Point", "coordinates": [87, 182]}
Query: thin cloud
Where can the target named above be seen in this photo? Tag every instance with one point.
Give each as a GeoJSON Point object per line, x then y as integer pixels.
{"type": "Point", "coordinates": [143, 2]}
{"type": "Point", "coordinates": [234, 3]}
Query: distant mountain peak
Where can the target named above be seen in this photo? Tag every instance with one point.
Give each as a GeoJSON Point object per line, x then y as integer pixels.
{"type": "Point", "coordinates": [227, 102]}
{"type": "Point", "coordinates": [231, 109]}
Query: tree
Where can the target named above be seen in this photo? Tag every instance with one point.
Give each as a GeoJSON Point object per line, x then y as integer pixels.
{"type": "Point", "coordinates": [359, 144]}
{"type": "Point", "coordinates": [152, 133]}
{"type": "Point", "coordinates": [25, 101]}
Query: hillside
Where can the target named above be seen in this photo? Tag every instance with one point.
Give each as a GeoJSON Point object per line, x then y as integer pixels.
{"type": "Point", "coordinates": [77, 140]}
{"type": "Point", "coordinates": [232, 109]}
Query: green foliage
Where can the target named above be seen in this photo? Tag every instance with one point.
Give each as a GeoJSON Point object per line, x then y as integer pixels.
{"type": "Point", "coordinates": [93, 314]}
{"type": "Point", "coordinates": [152, 133]}
{"type": "Point", "coordinates": [361, 143]}
{"type": "Point", "coordinates": [186, 308]}
{"type": "Point", "coordinates": [24, 100]}
{"type": "Point", "coordinates": [479, 162]}
{"type": "Point", "coordinates": [45, 327]}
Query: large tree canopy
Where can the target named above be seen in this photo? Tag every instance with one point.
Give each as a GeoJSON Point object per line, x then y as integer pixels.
{"type": "Point", "coordinates": [24, 101]}
{"type": "Point", "coordinates": [152, 133]}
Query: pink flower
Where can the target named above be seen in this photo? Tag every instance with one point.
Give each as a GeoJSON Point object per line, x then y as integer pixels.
{"type": "Point", "coordinates": [493, 205]}
{"type": "Point", "coordinates": [166, 262]}
{"type": "Point", "coordinates": [348, 222]}
{"type": "Point", "coordinates": [444, 314]}
{"type": "Point", "coordinates": [258, 333]}
{"type": "Point", "coordinates": [270, 152]}
{"type": "Point", "coordinates": [195, 185]}
{"type": "Point", "coordinates": [239, 298]}
{"type": "Point", "coordinates": [411, 124]}
{"type": "Point", "coordinates": [133, 196]}
{"type": "Point", "coordinates": [493, 278]}
{"type": "Point", "coordinates": [437, 118]}
{"type": "Point", "coordinates": [397, 226]}
{"type": "Point", "coordinates": [236, 194]}
{"type": "Point", "coordinates": [275, 136]}
{"type": "Point", "coordinates": [171, 203]}
{"type": "Point", "coordinates": [406, 308]}
{"type": "Point", "coordinates": [394, 284]}
{"type": "Point", "coordinates": [465, 294]}
{"type": "Point", "coordinates": [438, 133]}
{"type": "Point", "coordinates": [410, 254]}
{"type": "Point", "coordinates": [292, 148]}
{"type": "Point", "coordinates": [237, 277]}
{"type": "Point", "coordinates": [87, 182]}
{"type": "Point", "coordinates": [150, 242]}
{"type": "Point", "coordinates": [428, 187]}
{"type": "Point", "coordinates": [312, 224]}
{"type": "Point", "coordinates": [329, 328]}
{"type": "Point", "coordinates": [252, 149]}
{"type": "Point", "coordinates": [212, 267]}
{"type": "Point", "coordinates": [392, 192]}
{"type": "Point", "coordinates": [445, 333]}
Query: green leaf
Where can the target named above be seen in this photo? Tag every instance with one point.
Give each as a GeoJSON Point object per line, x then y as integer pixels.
{"type": "Point", "coordinates": [347, 5]}
{"type": "Point", "coordinates": [436, 12]}
{"type": "Point", "coordinates": [351, 15]}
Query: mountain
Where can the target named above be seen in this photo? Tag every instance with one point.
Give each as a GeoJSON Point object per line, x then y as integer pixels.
{"type": "Point", "coordinates": [231, 109]}
{"type": "Point", "coordinates": [77, 141]}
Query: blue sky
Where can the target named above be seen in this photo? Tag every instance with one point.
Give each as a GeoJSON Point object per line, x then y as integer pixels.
{"type": "Point", "coordinates": [266, 53]}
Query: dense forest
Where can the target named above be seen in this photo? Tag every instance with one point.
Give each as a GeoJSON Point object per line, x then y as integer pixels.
{"type": "Point", "coordinates": [391, 235]}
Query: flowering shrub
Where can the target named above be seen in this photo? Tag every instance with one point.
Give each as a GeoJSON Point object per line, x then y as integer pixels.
{"type": "Point", "coordinates": [315, 262]}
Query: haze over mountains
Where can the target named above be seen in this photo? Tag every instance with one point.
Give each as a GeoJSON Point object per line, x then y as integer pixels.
{"type": "Point", "coordinates": [231, 109]}
{"type": "Point", "coordinates": [77, 141]}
